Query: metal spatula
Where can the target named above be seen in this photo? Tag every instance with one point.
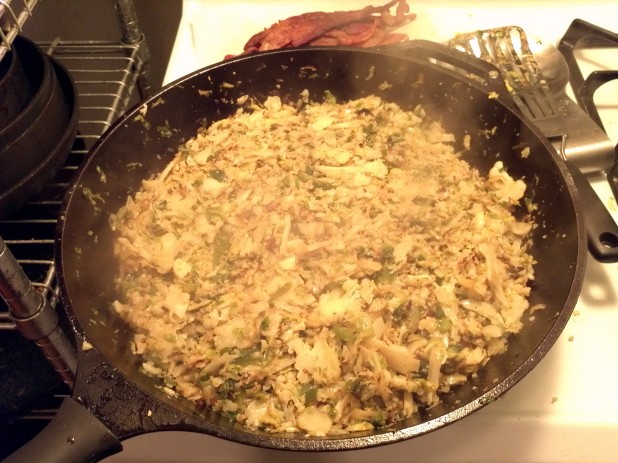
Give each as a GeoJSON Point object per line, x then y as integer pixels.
{"type": "Point", "coordinates": [508, 49]}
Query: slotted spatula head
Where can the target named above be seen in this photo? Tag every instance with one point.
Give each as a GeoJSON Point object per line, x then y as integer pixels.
{"type": "Point", "coordinates": [508, 49]}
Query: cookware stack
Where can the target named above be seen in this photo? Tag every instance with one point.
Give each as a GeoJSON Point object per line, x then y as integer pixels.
{"type": "Point", "coordinates": [38, 121]}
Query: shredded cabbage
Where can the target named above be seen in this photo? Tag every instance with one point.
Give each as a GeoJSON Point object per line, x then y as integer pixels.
{"type": "Point", "coordinates": [321, 268]}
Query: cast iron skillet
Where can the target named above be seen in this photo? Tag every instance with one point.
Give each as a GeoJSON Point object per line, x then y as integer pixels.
{"type": "Point", "coordinates": [113, 400]}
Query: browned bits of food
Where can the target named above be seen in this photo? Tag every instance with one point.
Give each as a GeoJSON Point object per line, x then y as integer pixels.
{"type": "Point", "coordinates": [367, 27]}
{"type": "Point", "coordinates": [321, 268]}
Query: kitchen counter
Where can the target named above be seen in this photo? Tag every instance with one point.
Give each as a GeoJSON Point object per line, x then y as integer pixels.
{"type": "Point", "coordinates": [566, 409]}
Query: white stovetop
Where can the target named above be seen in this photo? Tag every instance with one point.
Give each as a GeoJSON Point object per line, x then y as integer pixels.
{"type": "Point", "coordinates": [566, 409]}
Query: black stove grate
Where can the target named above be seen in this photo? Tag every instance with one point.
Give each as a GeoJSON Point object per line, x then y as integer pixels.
{"type": "Point", "coordinates": [584, 35]}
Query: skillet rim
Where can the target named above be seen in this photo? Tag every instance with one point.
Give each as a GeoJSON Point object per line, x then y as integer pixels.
{"type": "Point", "coordinates": [379, 436]}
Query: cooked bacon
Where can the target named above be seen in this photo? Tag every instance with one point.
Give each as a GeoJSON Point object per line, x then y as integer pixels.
{"type": "Point", "coordinates": [349, 34]}
{"type": "Point", "coordinates": [369, 26]}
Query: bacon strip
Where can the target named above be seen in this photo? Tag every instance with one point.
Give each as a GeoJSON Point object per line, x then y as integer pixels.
{"type": "Point", "coordinates": [349, 34]}
{"type": "Point", "coordinates": [368, 26]}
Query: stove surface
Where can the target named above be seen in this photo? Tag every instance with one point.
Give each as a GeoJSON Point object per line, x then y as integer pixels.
{"type": "Point", "coordinates": [565, 409]}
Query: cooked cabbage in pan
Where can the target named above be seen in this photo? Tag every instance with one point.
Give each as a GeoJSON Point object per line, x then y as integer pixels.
{"type": "Point", "coordinates": [321, 268]}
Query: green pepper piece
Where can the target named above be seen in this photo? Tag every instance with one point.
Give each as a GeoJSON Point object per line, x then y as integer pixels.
{"type": "Point", "coordinates": [344, 333]}
{"type": "Point", "coordinates": [221, 247]}
{"type": "Point", "coordinates": [309, 392]}
{"type": "Point", "coordinates": [218, 174]}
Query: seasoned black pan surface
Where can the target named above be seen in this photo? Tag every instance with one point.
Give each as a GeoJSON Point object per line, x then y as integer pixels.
{"type": "Point", "coordinates": [109, 383]}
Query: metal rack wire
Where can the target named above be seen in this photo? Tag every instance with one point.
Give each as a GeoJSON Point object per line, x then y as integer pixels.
{"type": "Point", "coordinates": [12, 18]}
{"type": "Point", "coordinates": [109, 77]}
{"type": "Point", "coordinates": [106, 76]}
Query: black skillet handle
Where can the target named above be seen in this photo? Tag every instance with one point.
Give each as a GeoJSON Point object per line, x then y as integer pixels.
{"type": "Point", "coordinates": [476, 71]}
{"type": "Point", "coordinates": [73, 436]}
{"type": "Point", "coordinates": [600, 226]}
{"type": "Point", "coordinates": [612, 176]}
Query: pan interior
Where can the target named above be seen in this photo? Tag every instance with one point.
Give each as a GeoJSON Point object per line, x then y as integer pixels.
{"type": "Point", "coordinates": [145, 140]}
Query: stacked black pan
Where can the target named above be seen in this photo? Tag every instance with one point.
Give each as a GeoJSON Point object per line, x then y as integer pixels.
{"type": "Point", "coordinates": [38, 122]}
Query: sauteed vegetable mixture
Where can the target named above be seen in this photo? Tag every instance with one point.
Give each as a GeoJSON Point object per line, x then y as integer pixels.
{"type": "Point", "coordinates": [321, 268]}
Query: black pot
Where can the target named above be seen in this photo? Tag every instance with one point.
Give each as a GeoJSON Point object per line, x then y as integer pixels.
{"type": "Point", "coordinates": [32, 159]}
{"type": "Point", "coordinates": [15, 82]}
{"type": "Point", "coordinates": [30, 75]}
